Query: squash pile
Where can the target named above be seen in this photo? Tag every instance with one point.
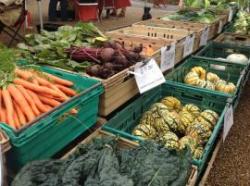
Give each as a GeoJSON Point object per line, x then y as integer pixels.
{"type": "Point", "coordinates": [176, 126]}
{"type": "Point", "coordinates": [199, 77]}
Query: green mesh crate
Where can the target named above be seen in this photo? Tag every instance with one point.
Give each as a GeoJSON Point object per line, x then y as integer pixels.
{"type": "Point", "coordinates": [123, 123]}
{"type": "Point", "coordinates": [54, 130]}
{"type": "Point", "coordinates": [231, 72]}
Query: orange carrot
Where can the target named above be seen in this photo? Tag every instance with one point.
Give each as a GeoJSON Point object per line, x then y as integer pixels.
{"type": "Point", "coordinates": [20, 114]}
{"type": "Point", "coordinates": [59, 80]}
{"type": "Point", "coordinates": [9, 107]}
{"type": "Point", "coordinates": [29, 99]}
{"type": "Point", "coordinates": [16, 120]}
{"type": "Point", "coordinates": [3, 115]}
{"type": "Point", "coordinates": [25, 74]}
{"type": "Point", "coordinates": [66, 90]}
{"type": "Point", "coordinates": [38, 102]}
{"type": "Point", "coordinates": [21, 101]}
{"type": "Point", "coordinates": [35, 88]}
{"type": "Point", "coordinates": [49, 101]}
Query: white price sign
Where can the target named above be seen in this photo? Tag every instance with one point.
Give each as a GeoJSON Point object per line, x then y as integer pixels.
{"type": "Point", "coordinates": [168, 57]}
{"type": "Point", "coordinates": [230, 17]}
{"type": "Point", "coordinates": [148, 75]}
{"type": "Point", "coordinates": [220, 27]}
{"type": "Point", "coordinates": [188, 45]}
{"type": "Point", "coordinates": [204, 36]}
{"type": "Point", "coordinates": [228, 121]}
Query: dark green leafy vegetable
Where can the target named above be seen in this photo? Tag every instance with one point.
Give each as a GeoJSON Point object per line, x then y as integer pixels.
{"type": "Point", "coordinates": [48, 47]}
{"type": "Point", "coordinates": [102, 163]}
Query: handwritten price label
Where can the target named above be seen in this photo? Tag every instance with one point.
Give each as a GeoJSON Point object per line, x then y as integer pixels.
{"type": "Point", "coordinates": [189, 45]}
{"type": "Point", "coordinates": [168, 57]}
{"type": "Point", "coordinates": [148, 75]}
{"type": "Point", "coordinates": [204, 37]}
{"type": "Point", "coordinates": [228, 121]}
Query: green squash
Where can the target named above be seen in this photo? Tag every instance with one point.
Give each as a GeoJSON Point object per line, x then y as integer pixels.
{"type": "Point", "coordinates": [186, 118]}
{"type": "Point", "coordinates": [161, 126]}
{"type": "Point", "coordinates": [145, 131]}
{"type": "Point", "coordinates": [172, 103]}
{"type": "Point", "coordinates": [199, 131]}
{"type": "Point", "coordinates": [188, 141]}
{"type": "Point", "coordinates": [170, 140]}
{"type": "Point", "coordinates": [192, 109]}
{"type": "Point", "coordinates": [198, 152]}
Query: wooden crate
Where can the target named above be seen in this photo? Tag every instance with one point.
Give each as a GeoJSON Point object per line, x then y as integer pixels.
{"type": "Point", "coordinates": [156, 44]}
{"type": "Point", "coordinates": [176, 35]}
{"type": "Point", "coordinates": [124, 143]}
{"type": "Point", "coordinates": [234, 39]}
{"type": "Point", "coordinates": [197, 29]}
{"type": "Point", "coordinates": [118, 89]}
{"type": "Point", "coordinates": [5, 142]}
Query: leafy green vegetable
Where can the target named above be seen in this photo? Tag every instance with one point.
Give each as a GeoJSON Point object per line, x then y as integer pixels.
{"type": "Point", "coordinates": [48, 48]}
{"type": "Point", "coordinates": [242, 23]}
{"type": "Point", "coordinates": [202, 16]}
{"type": "Point", "coordinates": [103, 163]}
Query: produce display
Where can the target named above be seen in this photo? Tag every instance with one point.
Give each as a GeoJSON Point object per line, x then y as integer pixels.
{"type": "Point", "coordinates": [242, 23]}
{"type": "Point", "coordinates": [177, 126]}
{"type": "Point", "coordinates": [25, 94]}
{"type": "Point", "coordinates": [201, 16]}
{"type": "Point", "coordinates": [112, 58]}
{"type": "Point", "coordinates": [82, 48]}
{"type": "Point", "coordinates": [102, 162]}
{"type": "Point", "coordinates": [199, 77]}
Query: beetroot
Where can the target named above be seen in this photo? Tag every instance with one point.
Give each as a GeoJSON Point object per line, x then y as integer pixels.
{"type": "Point", "coordinates": [106, 54]}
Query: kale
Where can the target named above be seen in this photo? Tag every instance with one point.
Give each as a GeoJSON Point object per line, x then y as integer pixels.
{"type": "Point", "coordinates": [103, 163]}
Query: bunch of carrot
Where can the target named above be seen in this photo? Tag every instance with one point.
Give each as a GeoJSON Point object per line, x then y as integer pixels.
{"type": "Point", "coordinates": [30, 94]}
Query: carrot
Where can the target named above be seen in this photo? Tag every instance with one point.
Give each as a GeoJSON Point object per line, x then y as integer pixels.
{"type": "Point", "coordinates": [16, 120]}
{"type": "Point", "coordinates": [21, 101]}
{"type": "Point", "coordinates": [38, 102]}
{"type": "Point", "coordinates": [20, 114]}
{"type": "Point", "coordinates": [49, 101]}
{"type": "Point", "coordinates": [9, 107]}
{"type": "Point", "coordinates": [29, 99]}
{"type": "Point", "coordinates": [66, 90]}
{"type": "Point", "coordinates": [59, 80]}
{"type": "Point", "coordinates": [3, 114]}
{"type": "Point", "coordinates": [25, 74]}
{"type": "Point", "coordinates": [35, 88]}
{"type": "Point", "coordinates": [45, 82]}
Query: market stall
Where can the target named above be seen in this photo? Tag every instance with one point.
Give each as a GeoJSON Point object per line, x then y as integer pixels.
{"type": "Point", "coordinates": [155, 99]}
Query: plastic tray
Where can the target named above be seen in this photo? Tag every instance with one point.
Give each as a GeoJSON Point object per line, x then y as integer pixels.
{"type": "Point", "coordinates": [228, 71]}
{"type": "Point", "coordinates": [222, 50]}
{"type": "Point", "coordinates": [125, 121]}
{"type": "Point", "coordinates": [52, 131]}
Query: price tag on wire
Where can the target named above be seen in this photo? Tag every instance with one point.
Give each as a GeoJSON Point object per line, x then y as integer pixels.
{"type": "Point", "coordinates": [189, 45]}
{"type": "Point", "coordinates": [167, 57]}
{"type": "Point", "coordinates": [204, 36]}
{"type": "Point", "coordinates": [228, 121]}
{"type": "Point", "coordinates": [220, 27]}
{"type": "Point", "coordinates": [230, 16]}
{"type": "Point", "coordinates": [148, 75]}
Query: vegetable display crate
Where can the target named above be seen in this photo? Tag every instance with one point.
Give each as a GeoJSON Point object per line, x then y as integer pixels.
{"type": "Point", "coordinates": [55, 129]}
{"type": "Point", "coordinates": [126, 120]}
{"type": "Point", "coordinates": [230, 29]}
{"type": "Point", "coordinates": [231, 72]}
{"type": "Point", "coordinates": [213, 27]}
{"type": "Point", "coordinates": [155, 43]}
{"type": "Point", "coordinates": [118, 89]}
{"type": "Point", "coordinates": [176, 35]}
{"type": "Point", "coordinates": [234, 39]}
{"type": "Point", "coordinates": [213, 51]}
{"type": "Point", "coordinates": [5, 142]}
{"type": "Point", "coordinates": [125, 143]}
{"type": "Point", "coordinates": [196, 29]}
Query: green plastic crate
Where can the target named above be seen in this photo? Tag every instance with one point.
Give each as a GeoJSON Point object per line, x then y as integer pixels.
{"type": "Point", "coordinates": [221, 50]}
{"type": "Point", "coordinates": [125, 121]}
{"type": "Point", "coordinates": [228, 71]}
{"type": "Point", "coordinates": [54, 130]}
